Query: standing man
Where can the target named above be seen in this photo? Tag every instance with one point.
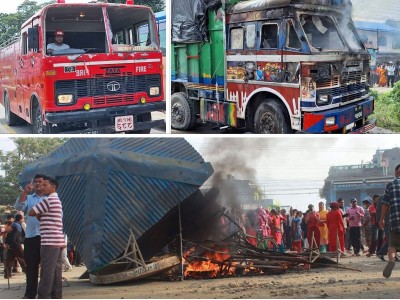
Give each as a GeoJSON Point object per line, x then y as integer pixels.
{"type": "Point", "coordinates": [374, 226]}
{"type": "Point", "coordinates": [390, 72]}
{"type": "Point", "coordinates": [14, 242]}
{"type": "Point", "coordinates": [49, 213]}
{"type": "Point", "coordinates": [340, 201]}
{"type": "Point", "coordinates": [25, 202]}
{"type": "Point", "coordinates": [355, 213]}
{"type": "Point", "coordinates": [391, 199]}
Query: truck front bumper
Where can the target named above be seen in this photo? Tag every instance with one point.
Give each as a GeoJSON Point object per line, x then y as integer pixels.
{"type": "Point", "coordinates": [107, 115]}
{"type": "Point", "coordinates": [346, 118]}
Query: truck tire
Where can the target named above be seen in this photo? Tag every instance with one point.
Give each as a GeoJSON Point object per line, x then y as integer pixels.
{"type": "Point", "coordinates": [37, 122]}
{"type": "Point", "coordinates": [11, 118]}
{"type": "Point", "coordinates": [182, 114]}
{"type": "Point", "coordinates": [144, 118]}
{"type": "Point", "coordinates": [37, 119]}
{"type": "Point", "coordinates": [269, 118]}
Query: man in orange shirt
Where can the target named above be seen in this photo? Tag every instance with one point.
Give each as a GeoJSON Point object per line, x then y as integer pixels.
{"type": "Point", "coordinates": [374, 226]}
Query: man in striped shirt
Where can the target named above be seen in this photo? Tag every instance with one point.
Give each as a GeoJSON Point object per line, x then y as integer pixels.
{"type": "Point", "coordinates": [49, 213]}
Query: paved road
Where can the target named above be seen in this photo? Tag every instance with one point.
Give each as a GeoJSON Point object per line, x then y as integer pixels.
{"type": "Point", "coordinates": [26, 128]}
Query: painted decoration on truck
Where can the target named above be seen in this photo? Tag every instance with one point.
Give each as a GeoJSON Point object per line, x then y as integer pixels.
{"type": "Point", "coordinates": [249, 70]}
{"type": "Point", "coordinates": [308, 89]}
{"type": "Point", "coordinates": [223, 112]}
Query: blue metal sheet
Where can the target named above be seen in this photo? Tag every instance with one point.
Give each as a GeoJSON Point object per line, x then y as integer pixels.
{"type": "Point", "coordinates": [111, 186]}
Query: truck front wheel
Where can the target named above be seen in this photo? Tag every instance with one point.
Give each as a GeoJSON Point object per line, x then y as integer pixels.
{"type": "Point", "coordinates": [269, 118]}
{"type": "Point", "coordinates": [11, 118]}
{"type": "Point", "coordinates": [182, 113]}
{"type": "Point", "coordinates": [37, 122]}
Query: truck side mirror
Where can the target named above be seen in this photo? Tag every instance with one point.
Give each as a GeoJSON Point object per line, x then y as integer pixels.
{"type": "Point", "coordinates": [33, 38]}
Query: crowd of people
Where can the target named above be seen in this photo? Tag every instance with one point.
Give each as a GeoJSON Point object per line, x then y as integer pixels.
{"type": "Point", "coordinates": [34, 239]}
{"type": "Point", "coordinates": [386, 74]}
{"type": "Point", "coordinates": [373, 228]}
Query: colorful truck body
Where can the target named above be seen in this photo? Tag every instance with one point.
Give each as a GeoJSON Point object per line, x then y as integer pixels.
{"type": "Point", "coordinates": [272, 66]}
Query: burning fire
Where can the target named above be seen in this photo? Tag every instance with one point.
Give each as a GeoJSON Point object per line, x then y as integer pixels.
{"type": "Point", "coordinates": [209, 264]}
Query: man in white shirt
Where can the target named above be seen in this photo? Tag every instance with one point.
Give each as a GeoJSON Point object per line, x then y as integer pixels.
{"type": "Point", "coordinates": [390, 72]}
{"type": "Point", "coordinates": [58, 45]}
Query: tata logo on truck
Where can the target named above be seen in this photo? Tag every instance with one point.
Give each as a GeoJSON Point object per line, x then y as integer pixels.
{"type": "Point", "coordinates": [113, 86]}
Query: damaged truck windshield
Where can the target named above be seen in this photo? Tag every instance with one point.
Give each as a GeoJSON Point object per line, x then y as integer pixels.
{"type": "Point", "coordinates": [85, 68]}
{"type": "Point", "coordinates": [269, 66]}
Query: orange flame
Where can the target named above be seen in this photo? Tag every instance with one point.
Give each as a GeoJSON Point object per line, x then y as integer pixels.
{"type": "Point", "coordinates": [209, 266]}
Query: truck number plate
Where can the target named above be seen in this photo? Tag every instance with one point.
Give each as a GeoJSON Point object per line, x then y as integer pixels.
{"type": "Point", "coordinates": [358, 112]}
{"type": "Point", "coordinates": [123, 123]}
{"type": "Point", "coordinates": [69, 69]}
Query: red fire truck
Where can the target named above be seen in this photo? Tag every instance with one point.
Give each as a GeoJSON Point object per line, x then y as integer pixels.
{"type": "Point", "coordinates": [269, 66]}
{"type": "Point", "coordinates": [109, 80]}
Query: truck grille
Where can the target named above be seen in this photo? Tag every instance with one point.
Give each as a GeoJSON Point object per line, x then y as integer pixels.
{"type": "Point", "coordinates": [108, 90]}
{"type": "Point", "coordinates": [349, 86]}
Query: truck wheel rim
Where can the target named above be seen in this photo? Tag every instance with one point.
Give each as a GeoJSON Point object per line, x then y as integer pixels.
{"type": "Point", "coordinates": [267, 123]}
{"type": "Point", "coordinates": [178, 113]}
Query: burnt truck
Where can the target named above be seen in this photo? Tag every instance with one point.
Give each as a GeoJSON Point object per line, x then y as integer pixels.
{"type": "Point", "coordinates": [269, 66]}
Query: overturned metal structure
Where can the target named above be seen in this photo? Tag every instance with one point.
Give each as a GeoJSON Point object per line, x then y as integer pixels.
{"type": "Point", "coordinates": [112, 187]}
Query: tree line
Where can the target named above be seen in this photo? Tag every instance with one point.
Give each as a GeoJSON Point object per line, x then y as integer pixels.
{"type": "Point", "coordinates": [13, 162]}
{"type": "Point", "coordinates": [10, 24]}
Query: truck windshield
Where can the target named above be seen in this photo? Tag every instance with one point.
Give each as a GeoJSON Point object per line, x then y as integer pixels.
{"type": "Point", "coordinates": [132, 29]}
{"type": "Point", "coordinates": [322, 33]}
{"type": "Point", "coordinates": [85, 31]}
{"type": "Point", "coordinates": [351, 37]}
{"type": "Point", "coordinates": [82, 26]}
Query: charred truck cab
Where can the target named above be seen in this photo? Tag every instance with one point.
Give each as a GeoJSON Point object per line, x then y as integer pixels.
{"type": "Point", "coordinates": [109, 80]}
{"type": "Point", "coordinates": [275, 66]}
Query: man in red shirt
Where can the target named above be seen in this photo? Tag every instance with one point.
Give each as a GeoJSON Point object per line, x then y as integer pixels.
{"type": "Point", "coordinates": [374, 226]}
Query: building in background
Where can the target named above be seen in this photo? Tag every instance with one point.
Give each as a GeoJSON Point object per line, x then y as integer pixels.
{"type": "Point", "coordinates": [378, 24]}
{"type": "Point", "coordinates": [359, 181]}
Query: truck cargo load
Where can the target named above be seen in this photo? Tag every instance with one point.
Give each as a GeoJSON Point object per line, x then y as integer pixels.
{"type": "Point", "coordinates": [273, 66]}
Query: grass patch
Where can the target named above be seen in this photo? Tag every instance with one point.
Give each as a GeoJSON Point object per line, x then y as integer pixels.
{"type": "Point", "coordinates": [387, 108]}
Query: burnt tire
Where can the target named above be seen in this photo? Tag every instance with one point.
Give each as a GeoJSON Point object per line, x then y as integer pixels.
{"type": "Point", "coordinates": [182, 112]}
{"type": "Point", "coordinates": [11, 118]}
{"type": "Point", "coordinates": [143, 118]}
{"type": "Point", "coordinates": [269, 118]}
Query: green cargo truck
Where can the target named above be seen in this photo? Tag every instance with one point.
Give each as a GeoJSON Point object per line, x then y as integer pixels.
{"type": "Point", "coordinates": [269, 66]}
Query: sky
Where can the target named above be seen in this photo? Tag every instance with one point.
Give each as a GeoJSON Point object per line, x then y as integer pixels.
{"type": "Point", "coordinates": [290, 169]}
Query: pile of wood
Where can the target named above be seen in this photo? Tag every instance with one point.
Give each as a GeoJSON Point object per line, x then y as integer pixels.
{"type": "Point", "coordinates": [241, 258]}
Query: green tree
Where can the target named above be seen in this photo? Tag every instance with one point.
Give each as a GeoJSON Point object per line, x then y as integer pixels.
{"type": "Point", "coordinates": [156, 5]}
{"type": "Point", "coordinates": [9, 27]}
{"type": "Point", "coordinates": [13, 162]}
{"type": "Point", "coordinates": [26, 9]}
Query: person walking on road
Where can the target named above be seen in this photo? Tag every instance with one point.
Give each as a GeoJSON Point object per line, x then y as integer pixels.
{"type": "Point", "coordinates": [391, 200]}
{"type": "Point", "coordinates": [49, 212]}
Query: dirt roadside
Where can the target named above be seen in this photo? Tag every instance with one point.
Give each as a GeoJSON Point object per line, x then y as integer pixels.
{"type": "Point", "coordinates": [315, 283]}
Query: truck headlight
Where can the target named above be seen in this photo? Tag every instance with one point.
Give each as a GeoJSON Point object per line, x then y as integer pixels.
{"type": "Point", "coordinates": [65, 99]}
{"type": "Point", "coordinates": [155, 90]}
{"type": "Point", "coordinates": [324, 99]}
{"type": "Point", "coordinates": [330, 121]}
